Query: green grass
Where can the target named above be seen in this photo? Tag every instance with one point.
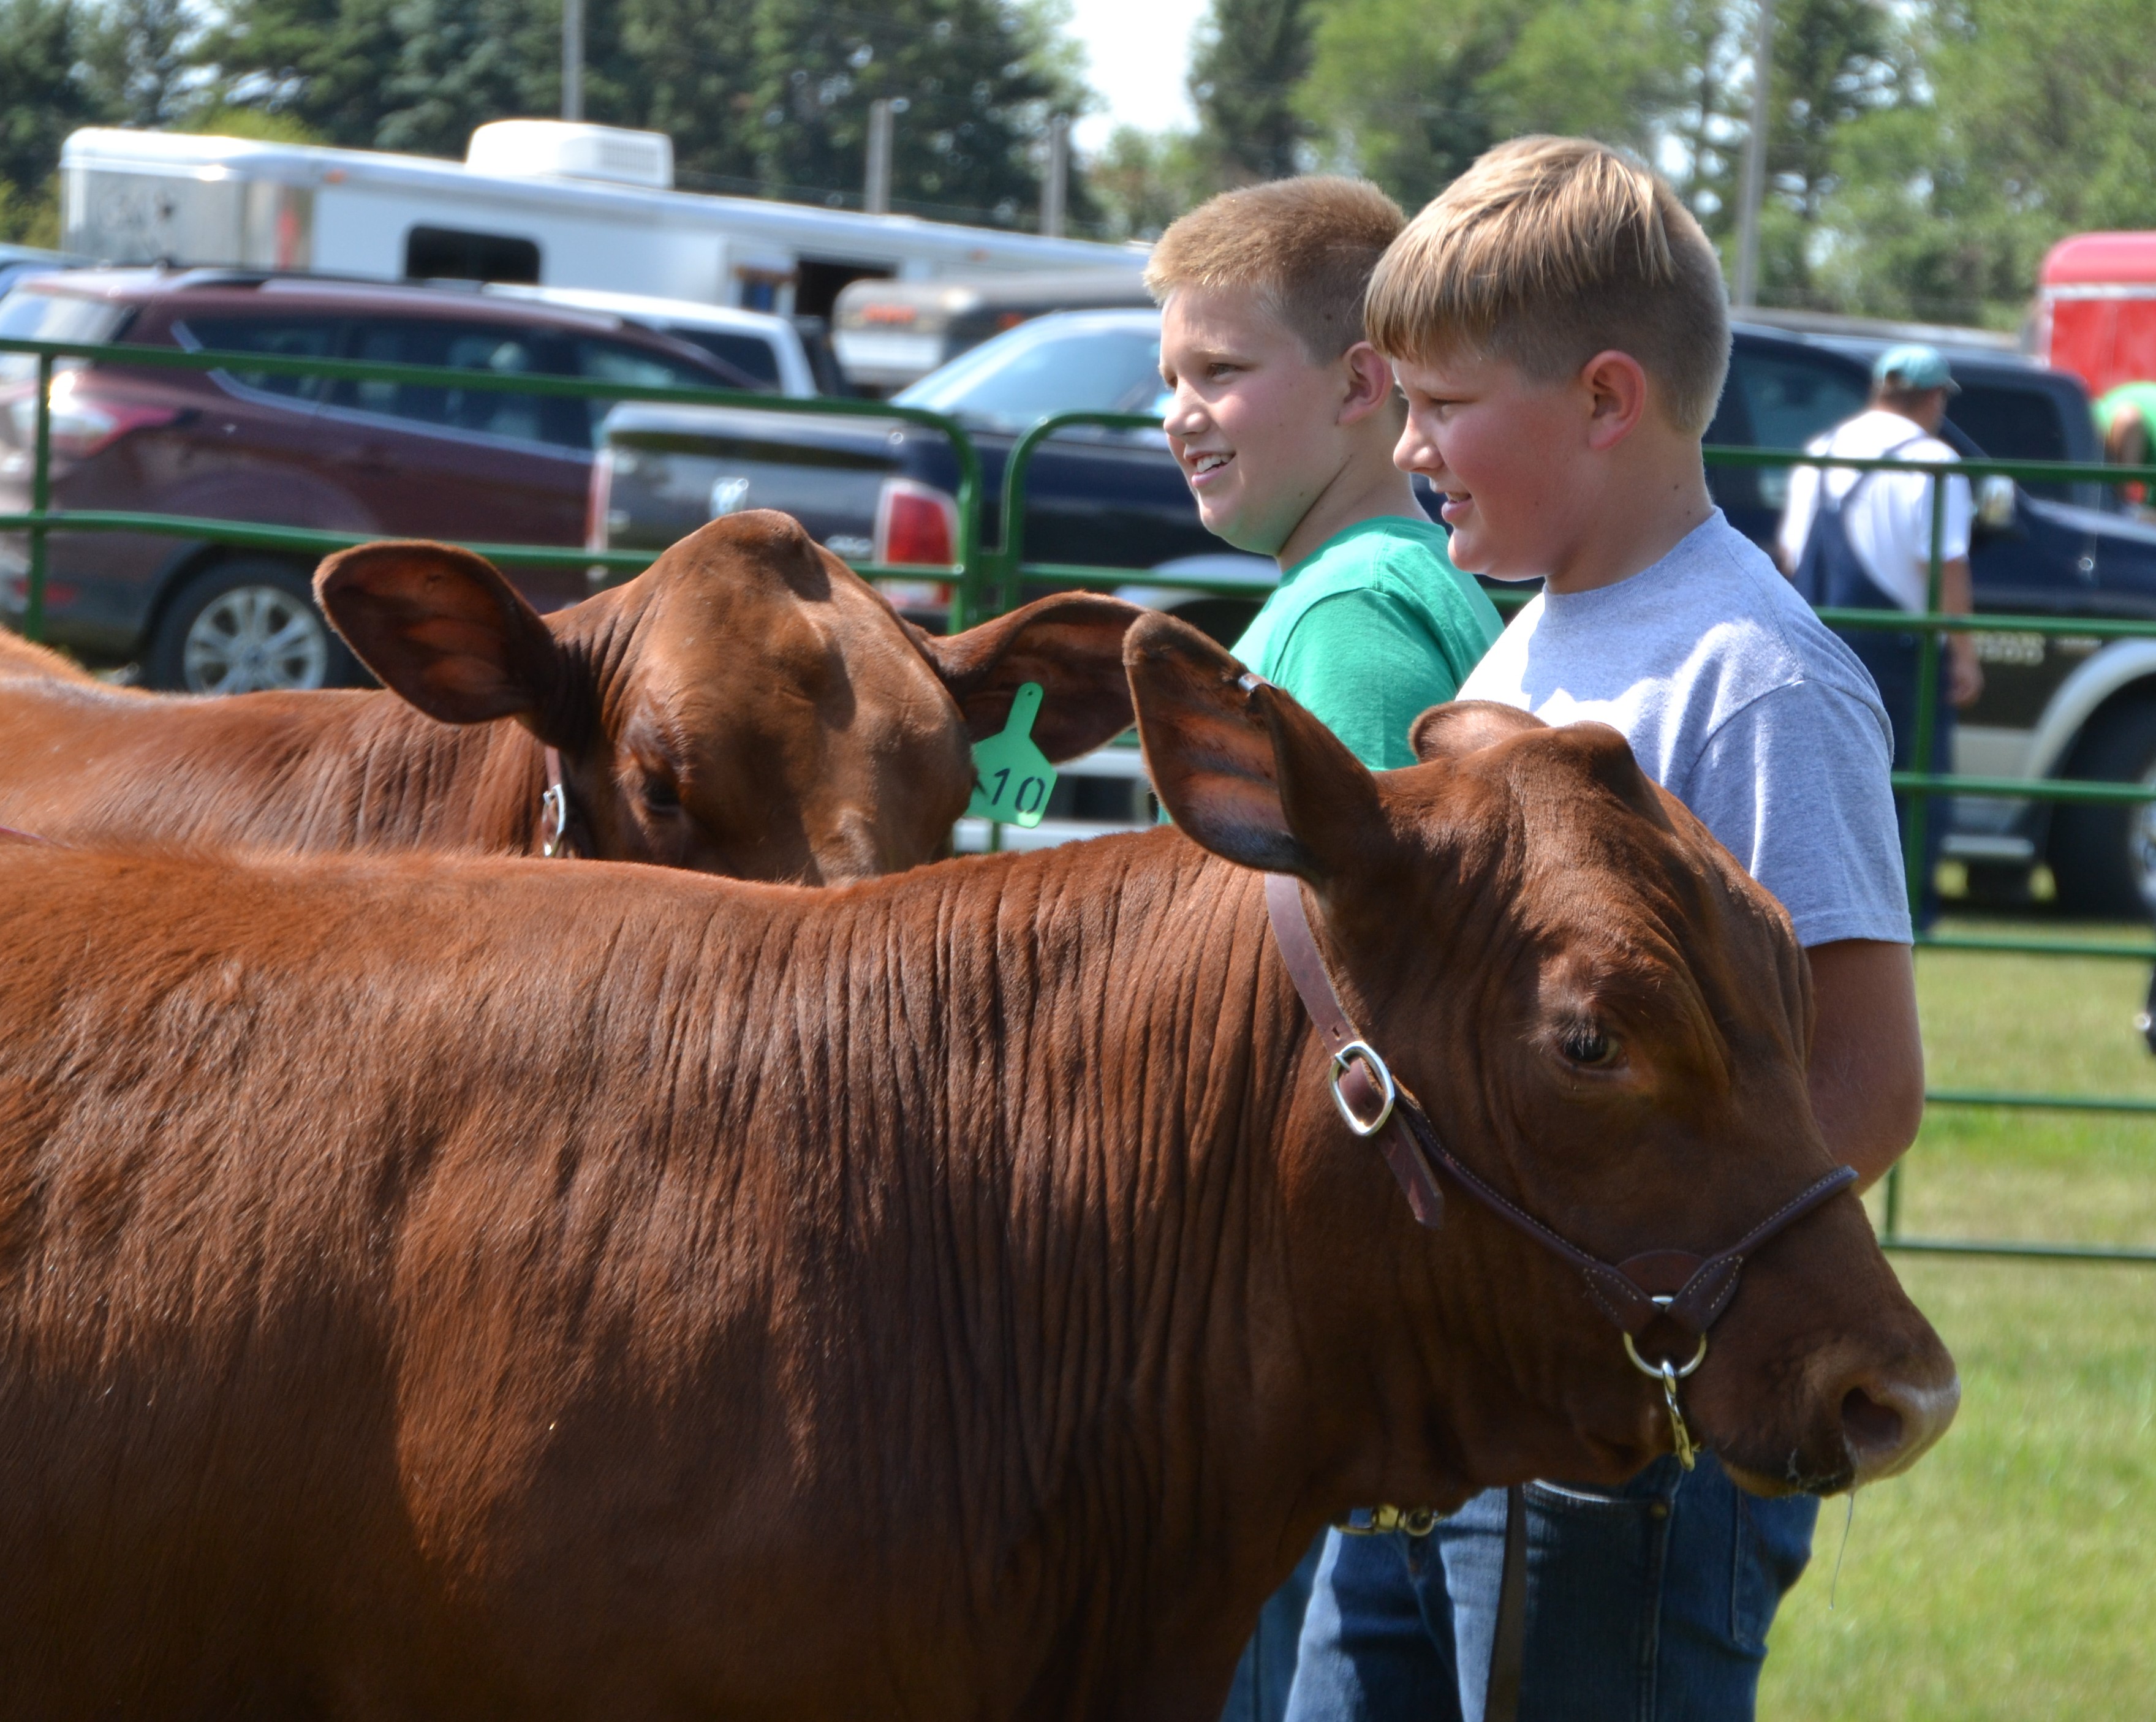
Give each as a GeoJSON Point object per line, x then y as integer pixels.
{"type": "Point", "coordinates": [2011, 1575]}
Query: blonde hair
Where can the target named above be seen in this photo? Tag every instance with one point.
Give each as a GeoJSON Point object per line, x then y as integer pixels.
{"type": "Point", "coordinates": [1549, 250]}
{"type": "Point", "coordinates": [1305, 246]}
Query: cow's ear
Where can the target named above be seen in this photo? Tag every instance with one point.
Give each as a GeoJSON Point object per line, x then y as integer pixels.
{"type": "Point", "coordinates": [1462, 726]}
{"type": "Point", "coordinates": [443, 628]}
{"type": "Point", "coordinates": [1071, 644]}
{"type": "Point", "coordinates": [1240, 766]}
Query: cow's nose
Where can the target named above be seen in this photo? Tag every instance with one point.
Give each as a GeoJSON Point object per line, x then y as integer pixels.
{"type": "Point", "coordinates": [1889, 1418]}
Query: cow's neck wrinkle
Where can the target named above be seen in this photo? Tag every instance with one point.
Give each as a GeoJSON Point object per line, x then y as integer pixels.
{"type": "Point", "coordinates": [1104, 1043]}
{"type": "Point", "coordinates": [353, 769]}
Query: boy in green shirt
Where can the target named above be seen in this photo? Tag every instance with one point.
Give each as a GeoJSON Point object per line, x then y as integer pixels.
{"type": "Point", "coordinates": [1284, 418]}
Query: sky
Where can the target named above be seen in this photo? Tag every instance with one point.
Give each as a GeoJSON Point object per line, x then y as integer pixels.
{"type": "Point", "coordinates": [1137, 52]}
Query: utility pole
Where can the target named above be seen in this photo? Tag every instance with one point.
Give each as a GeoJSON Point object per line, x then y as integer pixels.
{"type": "Point", "coordinates": [1056, 189]}
{"type": "Point", "coordinates": [572, 59]}
{"type": "Point", "coordinates": [1754, 188]}
{"type": "Point", "coordinates": [876, 195]}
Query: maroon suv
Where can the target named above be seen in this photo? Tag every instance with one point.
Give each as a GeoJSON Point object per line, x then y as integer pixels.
{"type": "Point", "coordinates": [382, 459]}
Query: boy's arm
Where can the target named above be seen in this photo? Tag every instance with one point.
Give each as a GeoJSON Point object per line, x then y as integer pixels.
{"type": "Point", "coordinates": [1866, 1074]}
{"type": "Point", "coordinates": [1365, 665]}
{"type": "Point", "coordinates": [1795, 787]}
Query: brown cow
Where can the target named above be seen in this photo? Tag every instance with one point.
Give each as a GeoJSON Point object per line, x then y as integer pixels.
{"type": "Point", "coordinates": [748, 705]}
{"type": "Point", "coordinates": [486, 1289]}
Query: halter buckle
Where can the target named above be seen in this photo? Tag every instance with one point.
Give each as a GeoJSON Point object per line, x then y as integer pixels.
{"type": "Point", "coordinates": [1387, 1092]}
{"type": "Point", "coordinates": [554, 820]}
{"type": "Point", "coordinates": [1669, 1375]}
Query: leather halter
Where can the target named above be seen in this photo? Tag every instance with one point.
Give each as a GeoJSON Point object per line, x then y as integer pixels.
{"type": "Point", "coordinates": [561, 831]}
{"type": "Point", "coordinates": [1667, 1284]}
{"type": "Point", "coordinates": [1373, 1105]}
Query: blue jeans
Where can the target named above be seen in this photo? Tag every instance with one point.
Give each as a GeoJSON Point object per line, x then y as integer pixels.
{"type": "Point", "coordinates": [1647, 1603]}
{"type": "Point", "coordinates": [1267, 1667]}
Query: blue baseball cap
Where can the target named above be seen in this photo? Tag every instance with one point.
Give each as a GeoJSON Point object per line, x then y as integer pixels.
{"type": "Point", "coordinates": [1914, 366]}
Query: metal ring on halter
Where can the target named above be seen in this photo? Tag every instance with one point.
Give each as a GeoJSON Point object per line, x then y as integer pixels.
{"type": "Point", "coordinates": [1368, 1054]}
{"type": "Point", "coordinates": [1659, 1370]}
{"type": "Point", "coordinates": [554, 813]}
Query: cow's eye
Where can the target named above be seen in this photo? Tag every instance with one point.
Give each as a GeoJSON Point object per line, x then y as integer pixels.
{"type": "Point", "coordinates": [660, 794]}
{"type": "Point", "coordinates": [1584, 1043]}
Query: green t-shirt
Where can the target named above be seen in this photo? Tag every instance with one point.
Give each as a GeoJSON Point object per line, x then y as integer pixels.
{"type": "Point", "coordinates": [1371, 629]}
{"type": "Point", "coordinates": [2141, 396]}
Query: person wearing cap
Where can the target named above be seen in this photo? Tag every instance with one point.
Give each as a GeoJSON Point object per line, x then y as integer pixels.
{"type": "Point", "coordinates": [1862, 540]}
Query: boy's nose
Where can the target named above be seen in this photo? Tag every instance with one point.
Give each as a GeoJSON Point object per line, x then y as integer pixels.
{"type": "Point", "coordinates": [1413, 453]}
{"type": "Point", "coordinates": [1181, 416]}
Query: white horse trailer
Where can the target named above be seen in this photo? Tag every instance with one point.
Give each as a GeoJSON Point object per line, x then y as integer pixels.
{"type": "Point", "coordinates": [536, 200]}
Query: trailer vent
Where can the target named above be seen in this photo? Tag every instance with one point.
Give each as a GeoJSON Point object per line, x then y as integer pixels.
{"type": "Point", "coordinates": [557, 149]}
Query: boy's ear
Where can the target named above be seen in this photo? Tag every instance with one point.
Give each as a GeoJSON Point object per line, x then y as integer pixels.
{"type": "Point", "coordinates": [1242, 768]}
{"type": "Point", "coordinates": [1371, 383]}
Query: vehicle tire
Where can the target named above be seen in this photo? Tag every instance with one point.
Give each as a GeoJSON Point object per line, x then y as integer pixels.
{"type": "Point", "coordinates": [2104, 857]}
{"type": "Point", "coordinates": [244, 625]}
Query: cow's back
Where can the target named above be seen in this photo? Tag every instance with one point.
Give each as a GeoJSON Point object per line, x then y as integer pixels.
{"type": "Point", "coordinates": [394, 1252]}
{"type": "Point", "coordinates": [323, 770]}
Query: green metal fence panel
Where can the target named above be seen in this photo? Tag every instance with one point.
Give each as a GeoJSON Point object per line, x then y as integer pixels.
{"type": "Point", "coordinates": [988, 580]}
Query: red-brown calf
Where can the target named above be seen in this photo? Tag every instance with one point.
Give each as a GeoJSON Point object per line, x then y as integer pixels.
{"type": "Point", "coordinates": [483, 1289]}
{"type": "Point", "coordinates": [746, 706]}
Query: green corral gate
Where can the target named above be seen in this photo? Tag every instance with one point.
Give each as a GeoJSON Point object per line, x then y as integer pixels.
{"type": "Point", "coordinates": [989, 580]}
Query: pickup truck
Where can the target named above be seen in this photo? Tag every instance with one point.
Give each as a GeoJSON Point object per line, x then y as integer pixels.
{"type": "Point", "coordinates": [883, 490]}
{"type": "Point", "coordinates": [880, 490]}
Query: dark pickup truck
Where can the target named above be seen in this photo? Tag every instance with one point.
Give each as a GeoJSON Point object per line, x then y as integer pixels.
{"type": "Point", "coordinates": [882, 490]}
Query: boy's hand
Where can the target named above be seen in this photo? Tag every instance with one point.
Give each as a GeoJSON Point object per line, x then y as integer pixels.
{"type": "Point", "coordinates": [1964, 674]}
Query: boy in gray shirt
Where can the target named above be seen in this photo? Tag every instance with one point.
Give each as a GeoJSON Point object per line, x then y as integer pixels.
{"type": "Point", "coordinates": [1742, 704]}
{"type": "Point", "coordinates": [1557, 322]}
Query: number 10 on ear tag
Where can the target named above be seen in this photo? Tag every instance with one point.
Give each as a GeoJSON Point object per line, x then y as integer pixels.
{"type": "Point", "coordinates": [1012, 778]}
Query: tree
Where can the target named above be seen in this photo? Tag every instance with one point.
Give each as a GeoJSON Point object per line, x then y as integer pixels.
{"type": "Point", "coordinates": [325, 63]}
{"type": "Point", "coordinates": [1835, 62]}
{"type": "Point", "coordinates": [980, 79]}
{"type": "Point", "coordinates": [1143, 180]}
{"type": "Point", "coordinates": [1412, 91]}
{"type": "Point", "coordinates": [1248, 59]}
{"type": "Point", "coordinates": [42, 99]}
{"type": "Point", "coordinates": [136, 58]}
{"type": "Point", "coordinates": [460, 63]}
{"type": "Point", "coordinates": [755, 93]}
{"type": "Point", "coordinates": [2041, 122]}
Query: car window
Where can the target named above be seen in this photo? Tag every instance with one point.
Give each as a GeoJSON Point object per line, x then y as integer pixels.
{"type": "Point", "coordinates": [751, 354]}
{"type": "Point", "coordinates": [1045, 367]}
{"type": "Point", "coordinates": [617, 361]}
{"type": "Point", "coordinates": [2013, 424]}
{"type": "Point", "coordinates": [1788, 400]}
{"type": "Point", "coordinates": [29, 315]}
{"type": "Point", "coordinates": [296, 337]}
{"type": "Point", "coordinates": [502, 349]}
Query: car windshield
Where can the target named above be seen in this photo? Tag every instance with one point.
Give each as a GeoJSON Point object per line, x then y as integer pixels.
{"type": "Point", "coordinates": [28, 314]}
{"type": "Point", "coordinates": [1057, 365]}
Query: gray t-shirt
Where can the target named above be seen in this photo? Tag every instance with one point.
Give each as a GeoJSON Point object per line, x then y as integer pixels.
{"type": "Point", "coordinates": [1740, 703]}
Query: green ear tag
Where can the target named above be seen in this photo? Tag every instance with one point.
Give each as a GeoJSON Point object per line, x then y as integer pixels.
{"type": "Point", "coordinates": [1012, 778]}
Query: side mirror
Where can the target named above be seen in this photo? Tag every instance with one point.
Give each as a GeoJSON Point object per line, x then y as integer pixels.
{"type": "Point", "coordinates": [1995, 502]}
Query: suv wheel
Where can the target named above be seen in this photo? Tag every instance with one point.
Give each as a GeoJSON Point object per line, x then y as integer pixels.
{"type": "Point", "coordinates": [242, 626]}
{"type": "Point", "coordinates": [2104, 857]}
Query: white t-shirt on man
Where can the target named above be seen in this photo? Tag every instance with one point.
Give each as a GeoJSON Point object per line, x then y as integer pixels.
{"type": "Point", "coordinates": [1740, 702]}
{"type": "Point", "coordinates": [1890, 521]}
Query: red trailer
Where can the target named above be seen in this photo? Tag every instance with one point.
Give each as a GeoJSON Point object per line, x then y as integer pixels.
{"type": "Point", "coordinates": [2096, 308]}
